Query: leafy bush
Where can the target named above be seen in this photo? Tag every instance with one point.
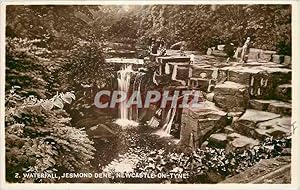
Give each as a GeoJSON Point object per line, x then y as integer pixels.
{"type": "Point", "coordinates": [87, 66]}
{"type": "Point", "coordinates": [40, 139]}
{"type": "Point", "coordinates": [30, 67]}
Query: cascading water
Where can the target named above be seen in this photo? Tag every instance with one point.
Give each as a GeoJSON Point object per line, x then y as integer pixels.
{"type": "Point", "coordinates": [166, 129]}
{"type": "Point", "coordinates": [124, 76]}
{"type": "Point", "coordinates": [168, 126]}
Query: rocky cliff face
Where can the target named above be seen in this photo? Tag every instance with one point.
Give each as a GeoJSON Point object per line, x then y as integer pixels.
{"type": "Point", "coordinates": [243, 105]}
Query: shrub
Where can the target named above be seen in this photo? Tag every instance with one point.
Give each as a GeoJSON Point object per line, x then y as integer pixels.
{"type": "Point", "coordinates": [40, 139]}
{"type": "Point", "coordinates": [29, 67]}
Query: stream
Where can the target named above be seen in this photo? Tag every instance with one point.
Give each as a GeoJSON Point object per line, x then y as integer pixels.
{"type": "Point", "coordinates": [121, 152]}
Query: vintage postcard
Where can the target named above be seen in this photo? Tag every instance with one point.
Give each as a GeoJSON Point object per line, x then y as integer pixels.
{"type": "Point", "coordinates": [100, 94]}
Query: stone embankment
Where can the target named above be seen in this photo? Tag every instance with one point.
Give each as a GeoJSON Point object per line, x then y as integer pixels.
{"type": "Point", "coordinates": [244, 103]}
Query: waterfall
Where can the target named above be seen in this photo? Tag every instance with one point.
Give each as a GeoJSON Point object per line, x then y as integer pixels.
{"type": "Point", "coordinates": [166, 129]}
{"type": "Point", "coordinates": [124, 76]}
{"type": "Point", "coordinates": [136, 86]}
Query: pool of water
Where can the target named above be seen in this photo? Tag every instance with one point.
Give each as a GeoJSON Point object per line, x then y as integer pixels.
{"type": "Point", "coordinates": [123, 151]}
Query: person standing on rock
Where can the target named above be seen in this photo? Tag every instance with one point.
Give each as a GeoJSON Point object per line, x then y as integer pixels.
{"type": "Point", "coordinates": [181, 46]}
{"type": "Point", "coordinates": [162, 48]}
{"type": "Point", "coordinates": [245, 51]}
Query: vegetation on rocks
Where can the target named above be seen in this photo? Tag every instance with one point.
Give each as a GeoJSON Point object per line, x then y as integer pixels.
{"type": "Point", "coordinates": [202, 164]}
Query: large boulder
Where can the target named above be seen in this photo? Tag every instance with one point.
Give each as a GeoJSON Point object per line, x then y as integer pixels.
{"type": "Point", "coordinates": [238, 142]}
{"type": "Point", "coordinates": [277, 128]}
{"type": "Point", "coordinates": [197, 124]}
{"type": "Point", "coordinates": [278, 58]}
{"type": "Point", "coordinates": [231, 96]}
{"type": "Point", "coordinates": [218, 140]}
{"type": "Point", "coordinates": [240, 74]}
{"type": "Point", "coordinates": [247, 124]}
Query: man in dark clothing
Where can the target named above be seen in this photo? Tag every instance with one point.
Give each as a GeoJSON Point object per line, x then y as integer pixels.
{"type": "Point", "coordinates": [229, 49]}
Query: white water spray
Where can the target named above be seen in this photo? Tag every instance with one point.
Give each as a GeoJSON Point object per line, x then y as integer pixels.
{"type": "Point", "coordinates": [124, 76]}
{"type": "Point", "coordinates": [165, 131]}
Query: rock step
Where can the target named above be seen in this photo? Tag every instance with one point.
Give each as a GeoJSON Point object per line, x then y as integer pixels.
{"type": "Point", "coordinates": [231, 142]}
{"type": "Point", "coordinates": [199, 123]}
{"type": "Point", "coordinates": [231, 96]}
{"type": "Point", "coordinates": [274, 106]}
{"type": "Point", "coordinates": [260, 124]}
{"type": "Point", "coordinates": [262, 80]}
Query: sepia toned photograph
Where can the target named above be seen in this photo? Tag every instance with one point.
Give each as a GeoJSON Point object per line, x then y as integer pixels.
{"type": "Point", "coordinates": [148, 93]}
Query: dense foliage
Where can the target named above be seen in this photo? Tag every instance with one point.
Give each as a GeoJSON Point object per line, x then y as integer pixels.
{"type": "Point", "coordinates": [204, 26]}
{"type": "Point", "coordinates": [86, 65]}
{"type": "Point", "coordinates": [30, 67]}
{"type": "Point", "coordinates": [201, 26]}
{"type": "Point", "coordinates": [202, 162]}
{"type": "Point", "coordinates": [40, 139]}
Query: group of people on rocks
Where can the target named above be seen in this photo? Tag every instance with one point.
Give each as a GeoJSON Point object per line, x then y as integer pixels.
{"type": "Point", "coordinates": [158, 47]}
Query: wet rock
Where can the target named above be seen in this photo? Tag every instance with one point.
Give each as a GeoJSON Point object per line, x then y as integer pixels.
{"type": "Point", "coordinates": [246, 124]}
{"type": "Point", "coordinates": [237, 142]}
{"type": "Point", "coordinates": [218, 140]}
{"type": "Point", "coordinates": [204, 145]}
{"type": "Point", "coordinates": [153, 122]}
{"type": "Point", "coordinates": [284, 92]}
{"type": "Point", "coordinates": [231, 96]}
